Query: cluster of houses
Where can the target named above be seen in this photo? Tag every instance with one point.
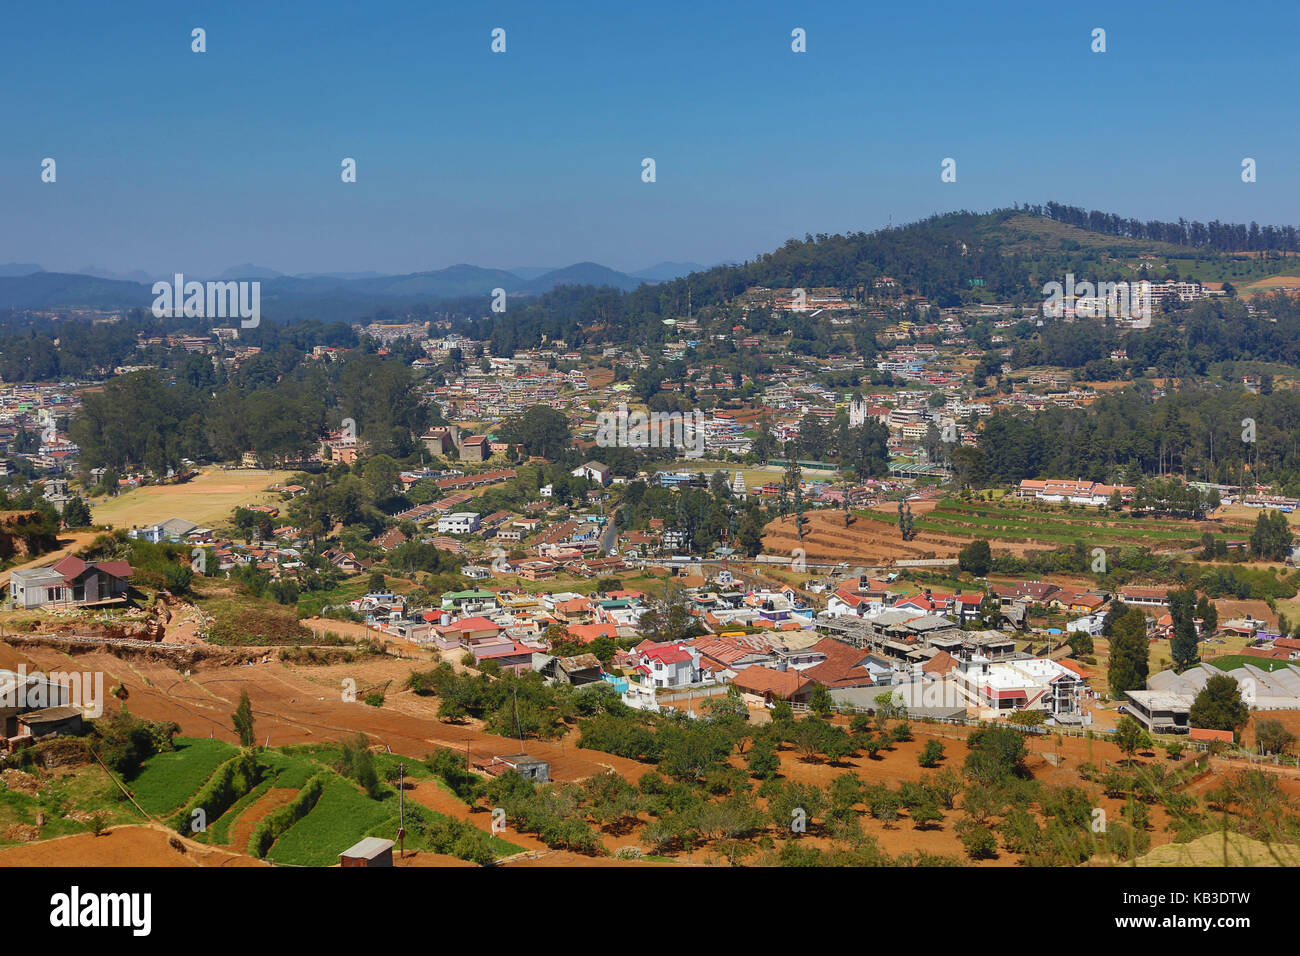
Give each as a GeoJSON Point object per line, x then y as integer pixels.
{"type": "Point", "coordinates": [769, 645]}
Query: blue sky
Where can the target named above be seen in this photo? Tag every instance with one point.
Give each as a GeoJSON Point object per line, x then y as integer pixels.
{"type": "Point", "coordinates": [170, 160]}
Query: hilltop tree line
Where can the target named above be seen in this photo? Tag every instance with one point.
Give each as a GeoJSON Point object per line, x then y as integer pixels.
{"type": "Point", "coordinates": [41, 349]}
{"type": "Point", "coordinates": [1197, 432]}
{"type": "Point", "coordinates": [1217, 236]}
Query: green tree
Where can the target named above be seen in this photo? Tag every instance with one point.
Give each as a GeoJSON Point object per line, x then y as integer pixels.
{"type": "Point", "coordinates": [820, 703]}
{"type": "Point", "coordinates": [76, 513]}
{"type": "Point", "coordinates": [978, 840]}
{"type": "Point", "coordinates": [996, 754]}
{"type": "Point", "coordinates": [976, 558]}
{"type": "Point", "coordinates": [358, 763]}
{"type": "Point", "coordinates": [1272, 537]}
{"type": "Point", "coordinates": [1130, 737]}
{"type": "Point", "coordinates": [1208, 614]}
{"type": "Point", "coordinates": [1183, 645]}
{"type": "Point", "coordinates": [542, 431]}
{"type": "Point", "coordinates": [1129, 654]}
{"type": "Point", "coordinates": [762, 759]}
{"type": "Point", "coordinates": [243, 720]}
{"type": "Point", "coordinates": [1219, 705]}
{"type": "Point", "coordinates": [931, 754]}
{"type": "Point", "coordinates": [1272, 737]}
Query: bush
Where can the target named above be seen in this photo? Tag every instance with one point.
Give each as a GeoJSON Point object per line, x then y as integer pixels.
{"type": "Point", "coordinates": [978, 840]}
{"type": "Point", "coordinates": [931, 754]}
{"type": "Point", "coordinates": [450, 766]}
{"type": "Point", "coordinates": [125, 742]}
{"type": "Point", "coordinates": [273, 825]}
{"type": "Point", "coordinates": [234, 778]}
{"type": "Point", "coordinates": [436, 833]}
{"type": "Point", "coordinates": [996, 754]}
{"type": "Point", "coordinates": [358, 763]}
{"type": "Point", "coordinates": [621, 736]}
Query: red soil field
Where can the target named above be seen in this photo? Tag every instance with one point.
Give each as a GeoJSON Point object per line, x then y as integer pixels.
{"type": "Point", "coordinates": [122, 846]}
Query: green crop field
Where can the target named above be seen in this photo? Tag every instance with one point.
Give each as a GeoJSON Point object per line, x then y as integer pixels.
{"type": "Point", "coordinates": [168, 780]}
{"type": "Point", "coordinates": [1019, 523]}
{"type": "Point", "coordinates": [342, 816]}
{"type": "Point", "coordinates": [1231, 662]}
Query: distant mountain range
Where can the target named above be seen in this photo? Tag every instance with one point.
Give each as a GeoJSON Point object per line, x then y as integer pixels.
{"type": "Point", "coordinates": [28, 286]}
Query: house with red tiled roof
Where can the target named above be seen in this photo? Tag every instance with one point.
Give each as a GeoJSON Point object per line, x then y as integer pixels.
{"type": "Point", "coordinates": [1024, 592]}
{"type": "Point", "coordinates": [1074, 667]}
{"type": "Point", "coordinates": [467, 632]}
{"type": "Point", "coordinates": [730, 655]}
{"type": "Point", "coordinates": [766, 685]}
{"type": "Point", "coordinates": [666, 665]}
{"type": "Point", "coordinates": [1135, 596]}
{"type": "Point", "coordinates": [939, 665]}
{"type": "Point", "coordinates": [844, 666]}
{"type": "Point", "coordinates": [508, 655]}
{"type": "Point", "coordinates": [346, 561]}
{"type": "Point", "coordinates": [586, 633]}
{"type": "Point", "coordinates": [578, 610]}
{"type": "Point", "coordinates": [390, 539]}
{"type": "Point", "coordinates": [71, 580]}
{"type": "Point", "coordinates": [1269, 653]}
{"type": "Point", "coordinates": [845, 602]}
{"type": "Point", "coordinates": [960, 607]}
{"type": "Point", "coordinates": [1077, 602]}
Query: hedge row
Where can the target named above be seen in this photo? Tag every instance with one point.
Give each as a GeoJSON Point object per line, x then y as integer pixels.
{"type": "Point", "coordinates": [271, 827]}
{"type": "Point", "coordinates": [230, 781]}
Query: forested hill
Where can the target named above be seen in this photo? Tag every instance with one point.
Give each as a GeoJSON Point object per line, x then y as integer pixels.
{"type": "Point", "coordinates": [950, 259]}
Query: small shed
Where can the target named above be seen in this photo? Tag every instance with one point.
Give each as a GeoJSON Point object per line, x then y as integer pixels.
{"type": "Point", "coordinates": [372, 851]}
{"type": "Point", "coordinates": [530, 768]}
{"type": "Point", "coordinates": [50, 720]}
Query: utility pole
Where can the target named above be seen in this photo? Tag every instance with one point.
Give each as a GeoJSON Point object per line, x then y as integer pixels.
{"type": "Point", "coordinates": [401, 811]}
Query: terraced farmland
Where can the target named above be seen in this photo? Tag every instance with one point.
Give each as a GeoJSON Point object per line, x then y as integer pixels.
{"type": "Point", "coordinates": [1012, 522]}
{"type": "Point", "coordinates": [341, 816]}
{"type": "Point", "coordinates": [864, 541]}
{"type": "Point", "coordinates": [944, 527]}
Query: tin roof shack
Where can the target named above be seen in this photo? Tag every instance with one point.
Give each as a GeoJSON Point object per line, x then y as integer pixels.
{"type": "Point", "coordinates": [530, 768]}
{"type": "Point", "coordinates": [21, 694]}
{"type": "Point", "coordinates": [372, 851]}
{"type": "Point", "coordinates": [50, 722]}
{"type": "Point", "coordinates": [576, 671]}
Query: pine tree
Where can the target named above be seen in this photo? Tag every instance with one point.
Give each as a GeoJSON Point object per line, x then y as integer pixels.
{"type": "Point", "coordinates": [1183, 646]}
{"type": "Point", "coordinates": [1129, 654]}
{"type": "Point", "coordinates": [243, 720]}
{"type": "Point", "coordinates": [76, 514]}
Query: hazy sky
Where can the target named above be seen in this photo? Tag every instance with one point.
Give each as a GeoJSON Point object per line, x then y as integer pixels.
{"type": "Point", "coordinates": [169, 160]}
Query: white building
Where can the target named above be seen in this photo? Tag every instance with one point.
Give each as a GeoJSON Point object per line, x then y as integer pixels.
{"type": "Point", "coordinates": [668, 665]}
{"type": "Point", "coordinates": [592, 471]}
{"type": "Point", "coordinates": [460, 522]}
{"type": "Point", "coordinates": [1032, 684]}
